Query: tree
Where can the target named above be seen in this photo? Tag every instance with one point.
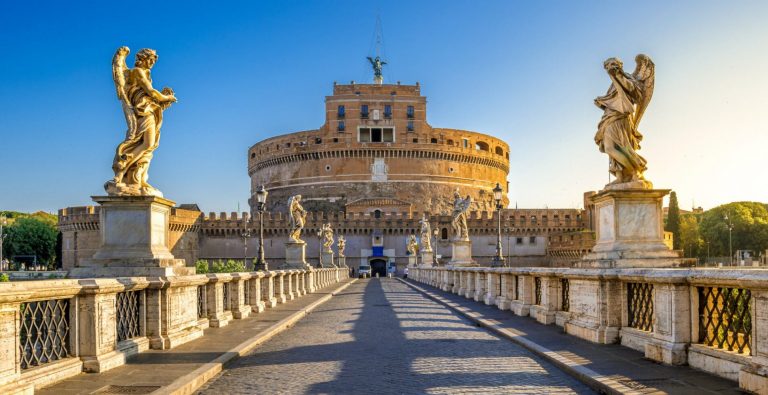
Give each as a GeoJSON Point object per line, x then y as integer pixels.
{"type": "Point", "coordinates": [673, 220]}
{"type": "Point", "coordinates": [690, 239]}
{"type": "Point", "coordinates": [750, 227]}
{"type": "Point", "coordinates": [32, 236]}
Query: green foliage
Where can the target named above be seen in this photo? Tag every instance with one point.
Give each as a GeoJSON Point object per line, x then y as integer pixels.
{"type": "Point", "coordinates": [690, 239]}
{"type": "Point", "coordinates": [32, 235]}
{"type": "Point", "coordinates": [673, 220]}
{"type": "Point", "coordinates": [750, 227]}
{"type": "Point", "coordinates": [4, 278]}
{"type": "Point", "coordinates": [220, 266]}
{"type": "Point", "coordinates": [201, 266]}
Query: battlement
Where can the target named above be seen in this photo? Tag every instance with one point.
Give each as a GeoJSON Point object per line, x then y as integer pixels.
{"type": "Point", "coordinates": [376, 89]}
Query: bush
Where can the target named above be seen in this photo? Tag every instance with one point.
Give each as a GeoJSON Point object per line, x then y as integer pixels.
{"type": "Point", "coordinates": [201, 266]}
{"type": "Point", "coordinates": [4, 278]}
{"type": "Point", "coordinates": [228, 266]}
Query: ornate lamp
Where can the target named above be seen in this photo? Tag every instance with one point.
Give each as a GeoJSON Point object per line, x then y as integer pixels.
{"type": "Point", "coordinates": [261, 199]}
{"type": "Point", "coordinates": [498, 260]}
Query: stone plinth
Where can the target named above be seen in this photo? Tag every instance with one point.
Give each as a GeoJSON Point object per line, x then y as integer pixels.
{"type": "Point", "coordinates": [295, 256]}
{"type": "Point", "coordinates": [341, 261]}
{"type": "Point", "coordinates": [327, 259]}
{"type": "Point", "coordinates": [134, 240]}
{"type": "Point", "coordinates": [412, 260]}
{"type": "Point", "coordinates": [461, 254]}
{"type": "Point", "coordinates": [427, 258]}
{"type": "Point", "coordinates": [630, 231]}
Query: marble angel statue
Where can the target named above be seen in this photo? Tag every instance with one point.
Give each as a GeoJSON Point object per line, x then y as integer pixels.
{"type": "Point", "coordinates": [623, 107]}
{"type": "Point", "coordinates": [326, 232]}
{"type": "Point", "coordinates": [296, 219]}
{"type": "Point", "coordinates": [143, 108]}
{"type": "Point", "coordinates": [425, 234]}
{"type": "Point", "coordinates": [412, 247]}
{"type": "Point", "coordinates": [341, 244]}
{"type": "Point", "coordinates": [459, 216]}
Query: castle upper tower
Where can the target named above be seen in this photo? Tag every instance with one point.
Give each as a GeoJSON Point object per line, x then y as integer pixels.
{"type": "Point", "coordinates": [377, 153]}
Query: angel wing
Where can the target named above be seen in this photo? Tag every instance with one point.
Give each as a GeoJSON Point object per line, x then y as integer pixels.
{"type": "Point", "coordinates": [645, 75]}
{"type": "Point", "coordinates": [119, 71]}
{"type": "Point", "coordinates": [466, 203]}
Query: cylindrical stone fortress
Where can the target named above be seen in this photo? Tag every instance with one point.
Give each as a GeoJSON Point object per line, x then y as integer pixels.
{"type": "Point", "coordinates": [376, 153]}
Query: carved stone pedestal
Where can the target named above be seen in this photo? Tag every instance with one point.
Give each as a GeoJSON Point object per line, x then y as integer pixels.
{"type": "Point", "coordinates": [341, 261]}
{"type": "Point", "coordinates": [427, 258]}
{"type": "Point", "coordinates": [327, 259]}
{"type": "Point", "coordinates": [461, 254]}
{"type": "Point", "coordinates": [412, 260]}
{"type": "Point", "coordinates": [295, 256]}
{"type": "Point", "coordinates": [134, 240]}
{"type": "Point", "coordinates": [630, 231]}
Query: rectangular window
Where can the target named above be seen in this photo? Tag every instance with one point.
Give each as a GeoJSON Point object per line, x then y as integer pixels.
{"type": "Point", "coordinates": [519, 240]}
{"type": "Point", "coordinates": [465, 143]}
{"type": "Point", "coordinates": [376, 135]}
{"type": "Point", "coordinates": [342, 126]}
{"type": "Point", "coordinates": [388, 135]}
{"type": "Point", "coordinates": [387, 111]}
{"type": "Point", "coordinates": [365, 135]}
{"type": "Point", "coordinates": [341, 112]}
{"type": "Point", "coordinates": [532, 240]}
{"type": "Point", "coordinates": [364, 111]}
{"type": "Point", "coordinates": [410, 126]}
{"type": "Point", "coordinates": [410, 112]}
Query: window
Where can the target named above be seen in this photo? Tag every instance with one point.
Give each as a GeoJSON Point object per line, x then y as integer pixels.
{"type": "Point", "coordinates": [410, 112]}
{"type": "Point", "coordinates": [387, 111]}
{"type": "Point", "coordinates": [253, 155]}
{"type": "Point", "coordinates": [364, 111]}
{"type": "Point", "coordinates": [335, 140]}
{"type": "Point", "coordinates": [410, 126]}
{"type": "Point", "coordinates": [532, 240]}
{"type": "Point", "coordinates": [342, 126]}
{"type": "Point", "coordinates": [376, 213]}
{"type": "Point", "coordinates": [416, 140]}
{"type": "Point", "coordinates": [433, 140]}
{"type": "Point", "coordinates": [377, 135]}
{"type": "Point", "coordinates": [519, 241]}
{"type": "Point", "coordinates": [449, 142]}
{"type": "Point", "coordinates": [444, 233]}
{"type": "Point", "coordinates": [341, 112]}
{"type": "Point", "coordinates": [533, 220]}
{"type": "Point", "coordinates": [318, 140]}
{"type": "Point", "coordinates": [481, 146]}
{"type": "Point", "coordinates": [499, 151]}
{"type": "Point", "coordinates": [465, 143]}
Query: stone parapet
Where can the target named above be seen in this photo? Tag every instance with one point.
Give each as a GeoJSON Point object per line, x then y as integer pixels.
{"type": "Point", "coordinates": [102, 322]}
{"type": "Point", "coordinates": [712, 319]}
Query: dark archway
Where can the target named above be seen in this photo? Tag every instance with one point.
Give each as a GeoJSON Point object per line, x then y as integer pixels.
{"type": "Point", "coordinates": [378, 266]}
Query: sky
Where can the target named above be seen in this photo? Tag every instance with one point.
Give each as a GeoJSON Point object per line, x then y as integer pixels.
{"type": "Point", "coordinates": [526, 72]}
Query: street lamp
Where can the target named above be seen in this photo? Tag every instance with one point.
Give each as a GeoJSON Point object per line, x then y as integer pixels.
{"type": "Point", "coordinates": [435, 232]}
{"type": "Point", "coordinates": [498, 260]}
{"type": "Point", "coordinates": [730, 238]}
{"type": "Point", "coordinates": [261, 199]}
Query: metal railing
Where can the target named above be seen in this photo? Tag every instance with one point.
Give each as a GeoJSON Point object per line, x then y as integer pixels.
{"type": "Point", "coordinates": [128, 314]}
{"type": "Point", "coordinates": [725, 318]}
{"type": "Point", "coordinates": [44, 332]}
{"type": "Point", "coordinates": [565, 294]}
{"type": "Point", "coordinates": [227, 302]}
{"type": "Point", "coordinates": [640, 306]}
{"type": "Point", "coordinates": [537, 290]}
{"type": "Point", "coordinates": [202, 311]}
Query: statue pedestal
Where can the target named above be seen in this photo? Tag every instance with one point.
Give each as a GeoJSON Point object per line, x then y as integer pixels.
{"type": "Point", "coordinates": [134, 240]}
{"type": "Point", "coordinates": [427, 259]}
{"type": "Point", "coordinates": [341, 261]}
{"type": "Point", "coordinates": [630, 231]}
{"type": "Point", "coordinates": [295, 257]}
{"type": "Point", "coordinates": [412, 260]}
{"type": "Point", "coordinates": [461, 254]}
{"type": "Point", "coordinates": [327, 259]}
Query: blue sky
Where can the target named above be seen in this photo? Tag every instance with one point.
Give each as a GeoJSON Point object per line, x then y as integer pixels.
{"type": "Point", "coordinates": [524, 71]}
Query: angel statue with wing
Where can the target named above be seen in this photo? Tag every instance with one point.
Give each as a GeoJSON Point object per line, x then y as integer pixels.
{"type": "Point", "coordinates": [143, 109]}
{"type": "Point", "coordinates": [425, 234]}
{"type": "Point", "coordinates": [296, 218]}
{"type": "Point", "coordinates": [617, 133]}
{"type": "Point", "coordinates": [459, 216]}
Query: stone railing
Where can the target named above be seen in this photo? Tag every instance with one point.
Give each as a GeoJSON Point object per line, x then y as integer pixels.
{"type": "Point", "coordinates": [54, 329]}
{"type": "Point", "coordinates": [715, 320]}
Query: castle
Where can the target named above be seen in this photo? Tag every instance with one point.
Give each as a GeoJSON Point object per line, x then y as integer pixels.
{"type": "Point", "coordinates": [372, 170]}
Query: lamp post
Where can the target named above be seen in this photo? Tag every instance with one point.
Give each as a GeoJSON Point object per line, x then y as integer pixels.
{"type": "Point", "coordinates": [261, 199]}
{"type": "Point", "coordinates": [434, 246]}
{"type": "Point", "coordinates": [730, 238]}
{"type": "Point", "coordinates": [498, 260]}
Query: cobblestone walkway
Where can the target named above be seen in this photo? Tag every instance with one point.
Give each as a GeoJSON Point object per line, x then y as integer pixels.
{"type": "Point", "coordinates": [380, 336]}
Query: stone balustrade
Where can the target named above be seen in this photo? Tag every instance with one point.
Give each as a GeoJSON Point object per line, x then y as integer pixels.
{"type": "Point", "coordinates": [54, 329]}
{"type": "Point", "coordinates": [715, 320]}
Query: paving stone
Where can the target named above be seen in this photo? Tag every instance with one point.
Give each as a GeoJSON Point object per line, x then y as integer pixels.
{"type": "Point", "coordinates": [380, 336]}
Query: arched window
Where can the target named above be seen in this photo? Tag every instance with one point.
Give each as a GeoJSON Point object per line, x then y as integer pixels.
{"type": "Point", "coordinates": [481, 146]}
{"type": "Point", "coordinates": [449, 142]}
{"type": "Point", "coordinates": [499, 151]}
{"type": "Point", "coordinates": [376, 213]}
{"type": "Point", "coordinates": [433, 140]}
{"type": "Point", "coordinates": [444, 233]}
